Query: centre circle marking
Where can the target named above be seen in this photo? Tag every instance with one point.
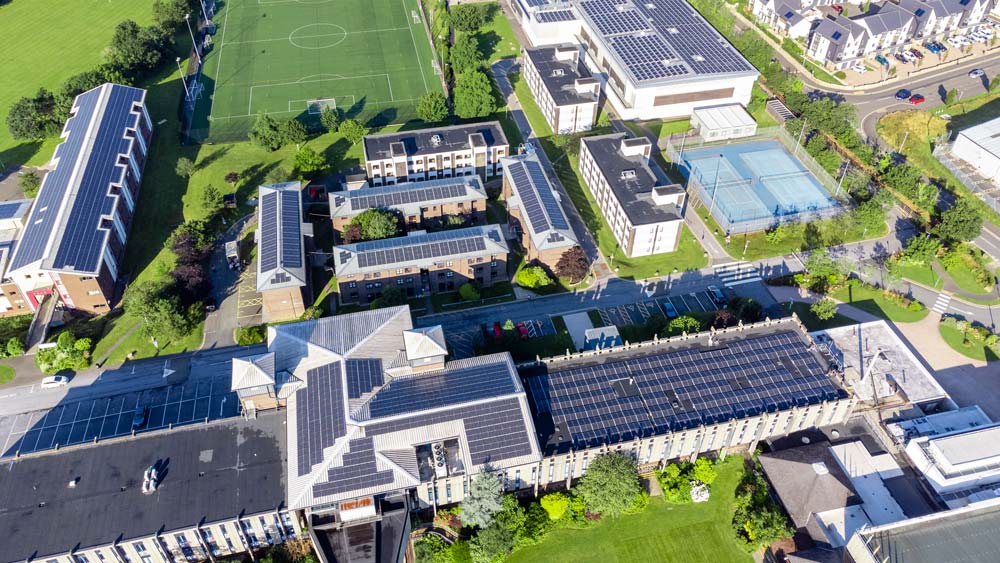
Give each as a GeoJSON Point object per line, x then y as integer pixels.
{"type": "Point", "coordinates": [333, 33]}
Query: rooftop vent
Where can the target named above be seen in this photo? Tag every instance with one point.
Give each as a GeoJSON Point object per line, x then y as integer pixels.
{"type": "Point", "coordinates": [558, 72]}
{"type": "Point", "coordinates": [435, 140]}
{"type": "Point", "coordinates": [650, 5]}
{"type": "Point", "coordinates": [698, 58]}
{"type": "Point", "coordinates": [628, 174]}
{"type": "Point", "coordinates": [72, 484]}
{"type": "Point", "coordinates": [621, 7]}
{"type": "Point", "coordinates": [673, 30]}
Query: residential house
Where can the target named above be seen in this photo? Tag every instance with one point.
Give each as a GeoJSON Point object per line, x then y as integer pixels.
{"type": "Point", "coordinates": [281, 252]}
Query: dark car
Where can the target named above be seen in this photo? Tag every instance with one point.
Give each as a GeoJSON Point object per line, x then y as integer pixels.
{"type": "Point", "coordinates": [838, 9]}
{"type": "Point", "coordinates": [916, 53]}
{"type": "Point", "coordinates": [916, 99]}
{"type": "Point", "coordinates": [930, 46]}
{"type": "Point", "coordinates": [669, 310]}
{"type": "Point", "coordinates": [882, 60]}
{"type": "Point", "coordinates": [522, 331]}
{"type": "Point", "coordinates": [140, 417]}
{"type": "Point", "coordinates": [898, 57]}
{"type": "Point", "coordinates": [716, 294]}
{"type": "Point", "coordinates": [497, 331]}
{"type": "Point", "coordinates": [941, 46]}
{"type": "Point", "coordinates": [903, 94]}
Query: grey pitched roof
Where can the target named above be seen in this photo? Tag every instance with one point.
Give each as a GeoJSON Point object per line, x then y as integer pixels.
{"type": "Point", "coordinates": [884, 18]}
{"type": "Point", "coordinates": [433, 141]}
{"type": "Point", "coordinates": [541, 209]}
{"type": "Point", "coordinates": [426, 342]}
{"type": "Point", "coordinates": [253, 371]}
{"type": "Point", "coordinates": [66, 231]}
{"type": "Point", "coordinates": [560, 76]}
{"type": "Point", "coordinates": [281, 261]}
{"type": "Point", "coordinates": [419, 250]}
{"type": "Point", "coordinates": [631, 179]}
{"type": "Point", "coordinates": [837, 29]}
{"type": "Point", "coordinates": [341, 448]}
{"type": "Point", "coordinates": [215, 472]}
{"type": "Point", "coordinates": [407, 197]}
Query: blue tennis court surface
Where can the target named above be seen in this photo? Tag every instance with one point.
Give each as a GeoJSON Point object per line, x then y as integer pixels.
{"type": "Point", "coordinates": [755, 181]}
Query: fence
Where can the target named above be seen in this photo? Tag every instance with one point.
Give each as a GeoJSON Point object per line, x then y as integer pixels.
{"type": "Point", "coordinates": [734, 223]}
{"type": "Point", "coordinates": [984, 189]}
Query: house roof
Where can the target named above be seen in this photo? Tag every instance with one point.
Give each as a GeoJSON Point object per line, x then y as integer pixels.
{"type": "Point", "coordinates": [354, 427]}
{"type": "Point", "coordinates": [409, 198]}
{"type": "Point", "coordinates": [724, 116]}
{"type": "Point", "coordinates": [69, 225]}
{"type": "Point", "coordinates": [419, 250]}
{"type": "Point", "coordinates": [433, 141]}
{"type": "Point", "coordinates": [884, 18]}
{"type": "Point", "coordinates": [540, 205]}
{"type": "Point", "coordinates": [427, 342]}
{"type": "Point", "coordinates": [252, 371]}
{"type": "Point", "coordinates": [559, 77]}
{"type": "Point", "coordinates": [281, 259]}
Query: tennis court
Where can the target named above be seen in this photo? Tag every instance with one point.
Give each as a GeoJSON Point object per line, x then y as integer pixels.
{"type": "Point", "coordinates": [751, 185]}
{"type": "Point", "coordinates": [292, 58]}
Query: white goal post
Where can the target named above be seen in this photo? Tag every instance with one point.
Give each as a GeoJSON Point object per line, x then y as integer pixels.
{"type": "Point", "coordinates": [315, 107]}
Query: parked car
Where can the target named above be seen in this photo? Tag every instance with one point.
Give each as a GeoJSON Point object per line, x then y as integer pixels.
{"type": "Point", "coordinates": [976, 73]}
{"type": "Point", "coordinates": [916, 99]}
{"type": "Point", "coordinates": [954, 42]}
{"type": "Point", "coordinates": [859, 68]}
{"type": "Point", "coordinates": [140, 417]}
{"type": "Point", "coordinates": [716, 294]}
{"type": "Point", "coordinates": [54, 381]}
{"type": "Point", "coordinates": [916, 53]}
{"type": "Point", "coordinates": [903, 94]}
{"type": "Point", "coordinates": [522, 331]}
{"type": "Point", "coordinates": [899, 57]}
{"type": "Point", "coordinates": [497, 331]}
{"type": "Point", "coordinates": [940, 46]}
{"type": "Point", "coordinates": [908, 56]}
{"type": "Point", "coordinates": [838, 9]}
{"type": "Point", "coordinates": [881, 60]}
{"type": "Point", "coordinates": [669, 310]}
{"type": "Point", "coordinates": [930, 46]}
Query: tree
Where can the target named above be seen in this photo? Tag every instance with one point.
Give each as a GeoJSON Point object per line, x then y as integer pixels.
{"type": "Point", "coordinates": [533, 277]}
{"type": "Point", "coordinates": [184, 167]}
{"type": "Point", "coordinates": [277, 175]}
{"type": "Point", "coordinates": [746, 309]}
{"type": "Point", "coordinates": [492, 544]}
{"type": "Point", "coordinates": [995, 83]}
{"type": "Point", "coordinates": [211, 199]}
{"type": "Point", "coordinates": [870, 215]}
{"type": "Point", "coordinates": [330, 118]}
{"type": "Point", "coordinates": [611, 484]}
{"type": "Point", "coordinates": [159, 309]}
{"type": "Point", "coordinates": [266, 133]}
{"type": "Point", "coordinates": [704, 470]}
{"type": "Point", "coordinates": [135, 51]}
{"type": "Point", "coordinates": [922, 249]}
{"type": "Point", "coordinates": [474, 95]}
{"type": "Point", "coordinates": [485, 499]}
{"type": "Point", "coordinates": [468, 292]}
{"type": "Point", "coordinates": [14, 347]}
{"type": "Point", "coordinates": [293, 132]}
{"type": "Point", "coordinates": [35, 117]}
{"type": "Point", "coordinates": [573, 265]}
{"type": "Point", "coordinates": [377, 224]}
{"type": "Point", "coordinates": [67, 354]}
{"type": "Point", "coordinates": [352, 130]}
{"type": "Point", "coordinates": [555, 505]}
{"type": "Point", "coordinates": [391, 296]}
{"type": "Point", "coordinates": [29, 182]}
{"type": "Point", "coordinates": [824, 309]}
{"type": "Point", "coordinates": [465, 54]}
{"type": "Point", "coordinates": [432, 107]}
{"type": "Point", "coordinates": [468, 17]}
{"type": "Point", "coordinates": [169, 14]}
{"type": "Point", "coordinates": [963, 222]}
{"type": "Point", "coordinates": [569, 144]}
{"type": "Point", "coordinates": [684, 323]}
{"type": "Point", "coordinates": [951, 96]}
{"type": "Point", "coordinates": [352, 233]}
{"type": "Point", "coordinates": [309, 163]}
{"type": "Point", "coordinates": [232, 178]}
{"type": "Point", "coordinates": [857, 182]}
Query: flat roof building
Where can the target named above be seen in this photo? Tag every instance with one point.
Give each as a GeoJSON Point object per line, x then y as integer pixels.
{"type": "Point", "coordinates": [979, 147]}
{"type": "Point", "coordinates": [536, 212]}
{"type": "Point", "coordinates": [563, 88]}
{"type": "Point", "coordinates": [722, 122]}
{"type": "Point", "coordinates": [440, 152]}
{"type": "Point", "coordinates": [961, 465]}
{"type": "Point", "coordinates": [74, 239]}
{"type": "Point", "coordinates": [655, 59]}
{"type": "Point", "coordinates": [644, 211]}
{"type": "Point", "coordinates": [281, 255]}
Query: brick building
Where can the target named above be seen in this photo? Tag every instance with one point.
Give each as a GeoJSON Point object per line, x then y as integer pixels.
{"type": "Point", "coordinates": [536, 214]}
{"type": "Point", "coordinates": [74, 240]}
{"type": "Point", "coordinates": [421, 262]}
{"type": "Point", "coordinates": [422, 205]}
{"type": "Point", "coordinates": [13, 215]}
{"type": "Point", "coordinates": [441, 152]}
{"type": "Point", "coordinates": [645, 212]}
{"type": "Point", "coordinates": [281, 265]}
{"type": "Point", "coordinates": [563, 88]}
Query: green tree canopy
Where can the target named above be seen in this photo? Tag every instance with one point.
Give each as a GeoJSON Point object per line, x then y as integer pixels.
{"type": "Point", "coordinates": [432, 107]}
{"type": "Point", "coordinates": [474, 95]}
{"type": "Point", "coordinates": [684, 323]}
{"type": "Point", "coordinates": [377, 224]}
{"type": "Point", "coordinates": [29, 183]}
{"type": "Point", "coordinates": [160, 310]}
{"type": "Point", "coordinates": [469, 17]}
{"type": "Point", "coordinates": [824, 309]}
{"type": "Point", "coordinates": [293, 132]}
{"type": "Point", "coordinates": [555, 505]}
{"type": "Point", "coordinates": [35, 117]}
{"type": "Point", "coordinates": [330, 118]}
{"type": "Point", "coordinates": [185, 168]}
{"type": "Point", "coordinates": [469, 291]}
{"type": "Point", "coordinates": [963, 222]}
{"type": "Point", "coordinates": [485, 499]}
{"type": "Point", "coordinates": [611, 484]}
{"type": "Point", "coordinates": [211, 199]}
{"type": "Point", "coordinates": [309, 163]}
{"type": "Point", "coordinates": [465, 54]}
{"type": "Point", "coordinates": [533, 277]}
{"type": "Point", "coordinates": [266, 133]}
{"type": "Point", "coordinates": [922, 249]}
{"type": "Point", "coordinates": [492, 543]}
{"type": "Point", "coordinates": [573, 265]}
{"type": "Point", "coordinates": [352, 130]}
{"type": "Point", "coordinates": [277, 175]}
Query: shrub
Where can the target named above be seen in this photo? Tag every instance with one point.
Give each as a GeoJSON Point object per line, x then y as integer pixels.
{"type": "Point", "coordinates": [555, 504]}
{"type": "Point", "coordinates": [757, 521]}
{"type": "Point", "coordinates": [14, 347]}
{"type": "Point", "coordinates": [610, 485]}
{"type": "Point", "coordinates": [840, 74]}
{"type": "Point", "coordinates": [533, 277]}
{"type": "Point", "coordinates": [248, 335]}
{"type": "Point", "coordinates": [68, 354]}
{"type": "Point", "coordinates": [469, 292]}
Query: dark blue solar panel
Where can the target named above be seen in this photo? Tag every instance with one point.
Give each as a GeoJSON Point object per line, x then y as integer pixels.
{"type": "Point", "coordinates": [8, 210]}
{"type": "Point", "coordinates": [547, 194]}
{"type": "Point", "coordinates": [320, 418]}
{"type": "Point", "coordinates": [694, 39]}
{"type": "Point", "coordinates": [291, 230]}
{"type": "Point", "coordinates": [84, 239]}
{"type": "Point", "coordinates": [358, 471]}
{"type": "Point", "coordinates": [529, 198]}
{"type": "Point", "coordinates": [268, 251]}
{"type": "Point", "coordinates": [363, 376]}
{"type": "Point", "coordinates": [409, 394]}
{"type": "Point", "coordinates": [402, 250]}
{"type": "Point", "coordinates": [555, 16]}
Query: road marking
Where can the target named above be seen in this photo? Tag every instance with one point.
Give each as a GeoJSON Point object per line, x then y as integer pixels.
{"type": "Point", "coordinates": [941, 304]}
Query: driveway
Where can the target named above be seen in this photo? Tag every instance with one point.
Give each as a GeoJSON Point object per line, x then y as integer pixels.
{"type": "Point", "coordinates": [221, 324]}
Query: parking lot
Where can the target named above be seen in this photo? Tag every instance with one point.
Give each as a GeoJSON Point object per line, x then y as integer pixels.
{"type": "Point", "coordinates": [108, 417]}
{"type": "Point", "coordinates": [248, 300]}
{"type": "Point", "coordinates": [463, 343]}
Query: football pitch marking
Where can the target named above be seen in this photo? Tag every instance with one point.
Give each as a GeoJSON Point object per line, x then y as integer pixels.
{"type": "Point", "coordinates": [304, 81]}
{"type": "Point", "coordinates": [343, 34]}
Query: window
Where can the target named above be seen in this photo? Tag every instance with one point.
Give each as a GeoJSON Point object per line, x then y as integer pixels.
{"type": "Point", "coordinates": [447, 492]}
{"type": "Point", "coordinates": [352, 284]}
{"type": "Point", "coordinates": [81, 558]}
{"type": "Point", "coordinates": [450, 263]}
{"type": "Point", "coordinates": [182, 542]}
{"type": "Point", "coordinates": [93, 293]}
{"type": "Point", "coordinates": [400, 281]}
{"type": "Point", "coordinates": [378, 284]}
{"type": "Point", "coordinates": [399, 270]}
{"type": "Point", "coordinates": [493, 264]}
{"type": "Point", "coordinates": [141, 550]}
{"type": "Point", "coordinates": [450, 274]}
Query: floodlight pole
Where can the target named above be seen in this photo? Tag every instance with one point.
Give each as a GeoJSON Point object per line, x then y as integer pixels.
{"type": "Point", "coordinates": [840, 184]}
{"type": "Point", "coordinates": [204, 12]}
{"type": "Point", "coordinates": [194, 43]}
{"type": "Point", "coordinates": [187, 93]}
{"type": "Point", "coordinates": [801, 134]}
{"type": "Point", "coordinates": [715, 185]}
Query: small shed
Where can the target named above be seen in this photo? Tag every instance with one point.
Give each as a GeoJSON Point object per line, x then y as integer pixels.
{"type": "Point", "coordinates": [722, 122]}
{"type": "Point", "coordinates": [602, 338]}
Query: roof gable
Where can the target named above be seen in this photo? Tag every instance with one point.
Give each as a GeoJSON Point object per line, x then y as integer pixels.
{"type": "Point", "coordinates": [281, 250]}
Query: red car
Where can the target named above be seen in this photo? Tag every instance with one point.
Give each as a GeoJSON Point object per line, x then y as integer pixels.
{"type": "Point", "coordinates": [838, 9]}
{"type": "Point", "coordinates": [522, 331]}
{"type": "Point", "coordinates": [497, 331]}
{"type": "Point", "coordinates": [916, 99]}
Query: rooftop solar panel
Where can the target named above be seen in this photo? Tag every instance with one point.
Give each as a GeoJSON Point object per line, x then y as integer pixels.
{"type": "Point", "coordinates": [320, 418]}
{"type": "Point", "coordinates": [554, 16]}
{"type": "Point", "coordinates": [546, 194]}
{"type": "Point", "coordinates": [359, 470]}
{"type": "Point", "coordinates": [291, 230]}
{"type": "Point", "coordinates": [268, 232]}
{"type": "Point", "coordinates": [415, 193]}
{"type": "Point", "coordinates": [10, 209]}
{"type": "Point", "coordinates": [618, 22]}
{"type": "Point", "coordinates": [363, 375]}
{"type": "Point", "coordinates": [409, 394]}
{"type": "Point", "coordinates": [407, 249]}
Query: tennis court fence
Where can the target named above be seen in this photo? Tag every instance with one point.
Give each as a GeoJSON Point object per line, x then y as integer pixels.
{"type": "Point", "coordinates": [983, 188]}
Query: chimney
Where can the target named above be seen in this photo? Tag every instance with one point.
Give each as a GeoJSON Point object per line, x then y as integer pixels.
{"type": "Point", "coordinates": [636, 146]}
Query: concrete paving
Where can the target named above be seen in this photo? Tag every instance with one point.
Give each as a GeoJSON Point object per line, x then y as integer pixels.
{"type": "Point", "coordinates": [578, 324]}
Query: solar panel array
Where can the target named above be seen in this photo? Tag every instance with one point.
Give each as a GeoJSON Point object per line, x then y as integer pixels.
{"type": "Point", "coordinates": [291, 230]}
{"type": "Point", "coordinates": [555, 16]}
{"type": "Point", "coordinates": [8, 210]}
{"type": "Point", "coordinates": [648, 56]}
{"type": "Point", "coordinates": [363, 376]}
{"type": "Point", "coordinates": [320, 419]}
{"type": "Point", "coordinates": [396, 197]}
{"type": "Point", "coordinates": [682, 389]}
{"type": "Point", "coordinates": [617, 22]}
{"type": "Point", "coordinates": [495, 430]}
{"type": "Point", "coordinates": [405, 250]}
{"type": "Point", "coordinates": [698, 43]}
{"type": "Point", "coordinates": [417, 393]}
{"type": "Point", "coordinates": [358, 471]}
{"type": "Point", "coordinates": [268, 249]}
{"type": "Point", "coordinates": [537, 197]}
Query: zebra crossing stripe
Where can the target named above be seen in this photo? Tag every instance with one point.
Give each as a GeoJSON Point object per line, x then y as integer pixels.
{"type": "Point", "coordinates": [941, 304]}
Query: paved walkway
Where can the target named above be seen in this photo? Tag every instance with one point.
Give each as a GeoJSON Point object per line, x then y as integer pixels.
{"type": "Point", "coordinates": [951, 287]}
{"type": "Point", "coordinates": [935, 351]}
{"type": "Point", "coordinates": [784, 294]}
{"type": "Point", "coordinates": [100, 361]}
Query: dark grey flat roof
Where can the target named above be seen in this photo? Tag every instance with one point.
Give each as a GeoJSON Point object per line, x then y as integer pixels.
{"type": "Point", "coordinates": [213, 472]}
{"type": "Point", "coordinates": [635, 194]}
{"type": "Point", "coordinates": [421, 142]}
{"type": "Point", "coordinates": [560, 77]}
{"type": "Point", "coordinates": [966, 535]}
{"type": "Point", "coordinates": [802, 490]}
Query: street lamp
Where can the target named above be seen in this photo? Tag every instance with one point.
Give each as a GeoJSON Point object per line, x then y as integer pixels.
{"type": "Point", "coordinates": [194, 43]}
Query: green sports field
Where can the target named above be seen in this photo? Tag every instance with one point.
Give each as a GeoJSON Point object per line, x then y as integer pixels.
{"type": "Point", "coordinates": [291, 58]}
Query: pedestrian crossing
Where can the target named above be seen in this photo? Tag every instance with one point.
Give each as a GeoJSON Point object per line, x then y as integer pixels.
{"type": "Point", "coordinates": [736, 273]}
{"type": "Point", "coordinates": [941, 304]}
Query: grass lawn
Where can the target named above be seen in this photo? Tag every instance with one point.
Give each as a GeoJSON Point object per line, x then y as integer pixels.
{"type": "Point", "coordinates": [452, 301]}
{"type": "Point", "coordinates": [46, 59]}
{"type": "Point", "coordinates": [957, 341]}
{"type": "Point", "coordinates": [664, 533]}
{"type": "Point", "coordinates": [496, 38]}
{"type": "Point", "coordinates": [689, 255]}
{"type": "Point", "coordinates": [872, 300]}
{"type": "Point", "coordinates": [760, 115]}
{"type": "Point", "coordinates": [965, 278]}
{"type": "Point", "coordinates": [813, 322]}
{"type": "Point", "coordinates": [6, 374]}
{"type": "Point", "coordinates": [920, 273]}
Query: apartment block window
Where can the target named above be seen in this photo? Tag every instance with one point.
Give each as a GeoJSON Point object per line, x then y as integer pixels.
{"type": "Point", "coordinates": [399, 270]}
{"type": "Point", "coordinates": [225, 536]}
{"type": "Point", "coordinates": [267, 529]}
{"type": "Point", "coordinates": [100, 556]}
{"type": "Point", "coordinates": [141, 550]}
{"type": "Point", "coordinates": [93, 293]}
{"type": "Point", "coordinates": [209, 539]}
{"type": "Point", "coordinates": [450, 274]}
{"type": "Point", "coordinates": [248, 531]}
{"type": "Point", "coordinates": [552, 471]}
{"type": "Point", "coordinates": [447, 492]}
{"type": "Point", "coordinates": [534, 470]}
{"type": "Point", "coordinates": [493, 264]}
{"type": "Point", "coordinates": [400, 281]}
{"type": "Point", "coordinates": [81, 558]}
{"type": "Point", "coordinates": [352, 284]}
{"type": "Point", "coordinates": [450, 263]}
{"type": "Point", "coordinates": [182, 543]}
